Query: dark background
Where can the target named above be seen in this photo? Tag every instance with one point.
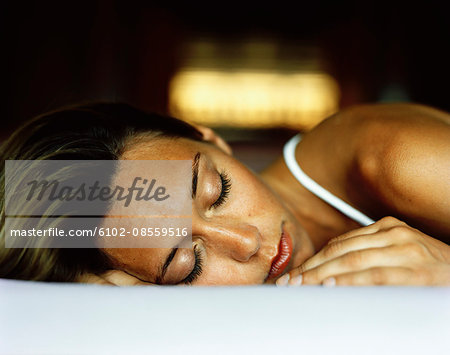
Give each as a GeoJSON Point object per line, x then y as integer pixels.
{"type": "Point", "coordinates": [57, 53]}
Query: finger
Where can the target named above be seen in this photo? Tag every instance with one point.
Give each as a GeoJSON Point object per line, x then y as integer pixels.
{"type": "Point", "coordinates": [334, 250]}
{"type": "Point", "coordinates": [370, 237]}
{"type": "Point", "coordinates": [123, 278]}
{"type": "Point", "coordinates": [354, 261]}
{"type": "Point", "coordinates": [384, 223]}
{"type": "Point", "coordinates": [331, 251]}
{"type": "Point", "coordinates": [376, 276]}
{"type": "Point", "coordinates": [362, 238]}
{"type": "Point", "coordinates": [91, 278]}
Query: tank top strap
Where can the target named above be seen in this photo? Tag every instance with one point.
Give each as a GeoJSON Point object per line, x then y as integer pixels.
{"type": "Point", "coordinates": [316, 189]}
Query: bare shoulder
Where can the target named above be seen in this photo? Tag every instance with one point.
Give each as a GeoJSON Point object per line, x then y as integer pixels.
{"type": "Point", "coordinates": [386, 159]}
{"type": "Point", "coordinates": [403, 160]}
{"type": "Point", "coordinates": [397, 112]}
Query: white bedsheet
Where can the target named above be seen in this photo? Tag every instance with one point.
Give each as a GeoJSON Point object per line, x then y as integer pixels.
{"type": "Point", "coordinates": [42, 318]}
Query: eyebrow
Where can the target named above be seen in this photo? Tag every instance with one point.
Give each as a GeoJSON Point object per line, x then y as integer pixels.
{"type": "Point", "coordinates": [166, 265]}
{"type": "Point", "coordinates": [195, 174]}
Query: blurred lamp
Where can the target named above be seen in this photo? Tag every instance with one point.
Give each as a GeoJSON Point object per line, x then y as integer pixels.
{"type": "Point", "coordinates": [251, 97]}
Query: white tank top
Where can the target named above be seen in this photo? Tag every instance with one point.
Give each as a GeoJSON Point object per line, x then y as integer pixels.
{"type": "Point", "coordinates": [316, 189]}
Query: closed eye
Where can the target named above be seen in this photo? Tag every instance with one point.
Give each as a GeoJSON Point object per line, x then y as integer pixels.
{"type": "Point", "coordinates": [225, 191]}
{"type": "Point", "coordinates": [197, 270]}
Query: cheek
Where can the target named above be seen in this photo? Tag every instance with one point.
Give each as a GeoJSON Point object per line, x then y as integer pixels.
{"type": "Point", "coordinates": [229, 272]}
{"type": "Point", "coordinates": [258, 198]}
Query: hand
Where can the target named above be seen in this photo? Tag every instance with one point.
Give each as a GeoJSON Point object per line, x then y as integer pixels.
{"type": "Point", "coordinates": [112, 278]}
{"type": "Point", "coordinates": [388, 252]}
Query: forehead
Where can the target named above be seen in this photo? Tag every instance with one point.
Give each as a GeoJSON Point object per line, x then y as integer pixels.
{"type": "Point", "coordinates": [161, 148]}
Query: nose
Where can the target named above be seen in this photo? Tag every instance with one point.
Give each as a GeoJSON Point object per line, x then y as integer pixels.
{"type": "Point", "coordinates": [236, 239]}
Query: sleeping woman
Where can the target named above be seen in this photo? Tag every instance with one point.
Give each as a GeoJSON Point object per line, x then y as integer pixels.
{"type": "Point", "coordinates": [362, 199]}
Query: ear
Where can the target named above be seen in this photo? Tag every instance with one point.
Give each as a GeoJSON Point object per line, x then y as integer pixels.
{"type": "Point", "coordinates": [112, 278]}
{"type": "Point", "coordinates": [210, 136]}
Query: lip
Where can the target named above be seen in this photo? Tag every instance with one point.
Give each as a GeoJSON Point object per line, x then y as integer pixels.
{"type": "Point", "coordinates": [281, 260]}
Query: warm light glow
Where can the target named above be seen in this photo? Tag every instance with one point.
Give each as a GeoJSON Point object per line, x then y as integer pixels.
{"type": "Point", "coordinates": [253, 98]}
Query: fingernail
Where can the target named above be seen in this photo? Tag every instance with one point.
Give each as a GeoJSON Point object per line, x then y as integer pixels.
{"type": "Point", "coordinates": [283, 280]}
{"type": "Point", "coordinates": [297, 280]}
{"type": "Point", "coordinates": [329, 282]}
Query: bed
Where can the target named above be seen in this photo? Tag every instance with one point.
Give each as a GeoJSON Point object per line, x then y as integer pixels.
{"type": "Point", "coordinates": [51, 318]}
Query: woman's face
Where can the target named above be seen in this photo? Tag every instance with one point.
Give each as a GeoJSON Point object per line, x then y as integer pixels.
{"type": "Point", "coordinates": [237, 224]}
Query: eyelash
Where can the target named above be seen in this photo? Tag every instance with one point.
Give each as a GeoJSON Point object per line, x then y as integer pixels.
{"type": "Point", "coordinates": [226, 187]}
{"type": "Point", "coordinates": [197, 270]}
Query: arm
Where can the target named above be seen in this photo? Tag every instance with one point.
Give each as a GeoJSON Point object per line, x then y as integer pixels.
{"type": "Point", "coordinates": [397, 162]}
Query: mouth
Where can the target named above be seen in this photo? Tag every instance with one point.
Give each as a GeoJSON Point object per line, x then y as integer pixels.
{"type": "Point", "coordinates": [281, 260]}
